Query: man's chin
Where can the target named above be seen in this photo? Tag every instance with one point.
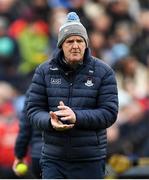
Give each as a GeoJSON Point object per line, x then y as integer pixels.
{"type": "Point", "coordinates": [75, 61]}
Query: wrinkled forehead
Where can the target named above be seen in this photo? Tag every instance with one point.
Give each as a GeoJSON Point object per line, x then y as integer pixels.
{"type": "Point", "coordinates": [74, 37]}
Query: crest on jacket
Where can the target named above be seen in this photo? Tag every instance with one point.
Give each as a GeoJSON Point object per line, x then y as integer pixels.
{"type": "Point", "coordinates": [89, 82]}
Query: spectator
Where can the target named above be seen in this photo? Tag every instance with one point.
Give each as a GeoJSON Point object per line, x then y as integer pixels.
{"type": "Point", "coordinates": [8, 130]}
{"type": "Point", "coordinates": [9, 53]}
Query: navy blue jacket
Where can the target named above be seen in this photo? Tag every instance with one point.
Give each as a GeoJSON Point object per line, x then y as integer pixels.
{"type": "Point", "coordinates": [90, 91]}
{"type": "Point", "coordinates": [28, 137]}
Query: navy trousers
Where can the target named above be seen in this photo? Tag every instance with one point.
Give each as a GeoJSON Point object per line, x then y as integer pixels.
{"type": "Point", "coordinates": [56, 169]}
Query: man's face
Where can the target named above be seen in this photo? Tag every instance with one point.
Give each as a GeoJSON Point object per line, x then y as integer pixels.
{"type": "Point", "coordinates": [74, 48]}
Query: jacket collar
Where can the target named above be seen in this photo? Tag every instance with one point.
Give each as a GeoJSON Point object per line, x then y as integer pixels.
{"type": "Point", "coordinates": [58, 56]}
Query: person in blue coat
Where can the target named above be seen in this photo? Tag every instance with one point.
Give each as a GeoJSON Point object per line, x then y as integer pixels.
{"type": "Point", "coordinates": [73, 100]}
{"type": "Point", "coordinates": [29, 139]}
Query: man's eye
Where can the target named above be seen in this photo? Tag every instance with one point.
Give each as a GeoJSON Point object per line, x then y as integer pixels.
{"type": "Point", "coordinates": [69, 42]}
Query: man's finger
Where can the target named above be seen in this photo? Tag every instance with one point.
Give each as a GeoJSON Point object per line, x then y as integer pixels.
{"type": "Point", "coordinates": [61, 113]}
{"type": "Point", "coordinates": [64, 127]}
{"type": "Point", "coordinates": [69, 117]}
{"type": "Point", "coordinates": [53, 115]}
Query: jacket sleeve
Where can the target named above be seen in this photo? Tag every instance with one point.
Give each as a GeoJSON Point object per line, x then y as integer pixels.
{"type": "Point", "coordinates": [24, 135]}
{"type": "Point", "coordinates": [37, 106]}
{"type": "Point", "coordinates": [107, 106]}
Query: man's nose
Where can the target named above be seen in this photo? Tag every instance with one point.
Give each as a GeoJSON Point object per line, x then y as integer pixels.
{"type": "Point", "coordinates": [75, 44]}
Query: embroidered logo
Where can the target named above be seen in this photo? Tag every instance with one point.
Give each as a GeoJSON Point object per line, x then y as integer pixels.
{"type": "Point", "coordinates": [89, 82]}
{"type": "Point", "coordinates": [55, 81]}
{"type": "Point", "coordinates": [91, 71]}
{"type": "Point", "coordinates": [53, 69]}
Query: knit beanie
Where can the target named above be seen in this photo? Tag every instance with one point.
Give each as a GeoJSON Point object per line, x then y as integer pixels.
{"type": "Point", "coordinates": [71, 27]}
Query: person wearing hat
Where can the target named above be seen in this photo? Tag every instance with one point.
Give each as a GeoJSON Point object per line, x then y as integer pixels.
{"type": "Point", "coordinates": [73, 100]}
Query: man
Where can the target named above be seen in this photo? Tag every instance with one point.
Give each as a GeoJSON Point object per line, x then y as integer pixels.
{"type": "Point", "coordinates": [28, 138]}
{"type": "Point", "coordinates": [73, 99]}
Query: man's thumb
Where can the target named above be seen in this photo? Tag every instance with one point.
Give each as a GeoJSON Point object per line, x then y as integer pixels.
{"type": "Point", "coordinates": [61, 103]}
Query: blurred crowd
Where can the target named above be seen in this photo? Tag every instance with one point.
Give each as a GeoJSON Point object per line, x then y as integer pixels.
{"type": "Point", "coordinates": [119, 35]}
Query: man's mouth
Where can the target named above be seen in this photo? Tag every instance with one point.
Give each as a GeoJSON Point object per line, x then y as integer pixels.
{"type": "Point", "coordinates": [75, 52]}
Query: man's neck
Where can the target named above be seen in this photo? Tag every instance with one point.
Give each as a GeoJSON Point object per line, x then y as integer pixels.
{"type": "Point", "coordinates": [73, 65]}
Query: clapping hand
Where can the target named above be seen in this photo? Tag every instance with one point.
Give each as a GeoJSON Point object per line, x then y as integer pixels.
{"type": "Point", "coordinates": [60, 118]}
